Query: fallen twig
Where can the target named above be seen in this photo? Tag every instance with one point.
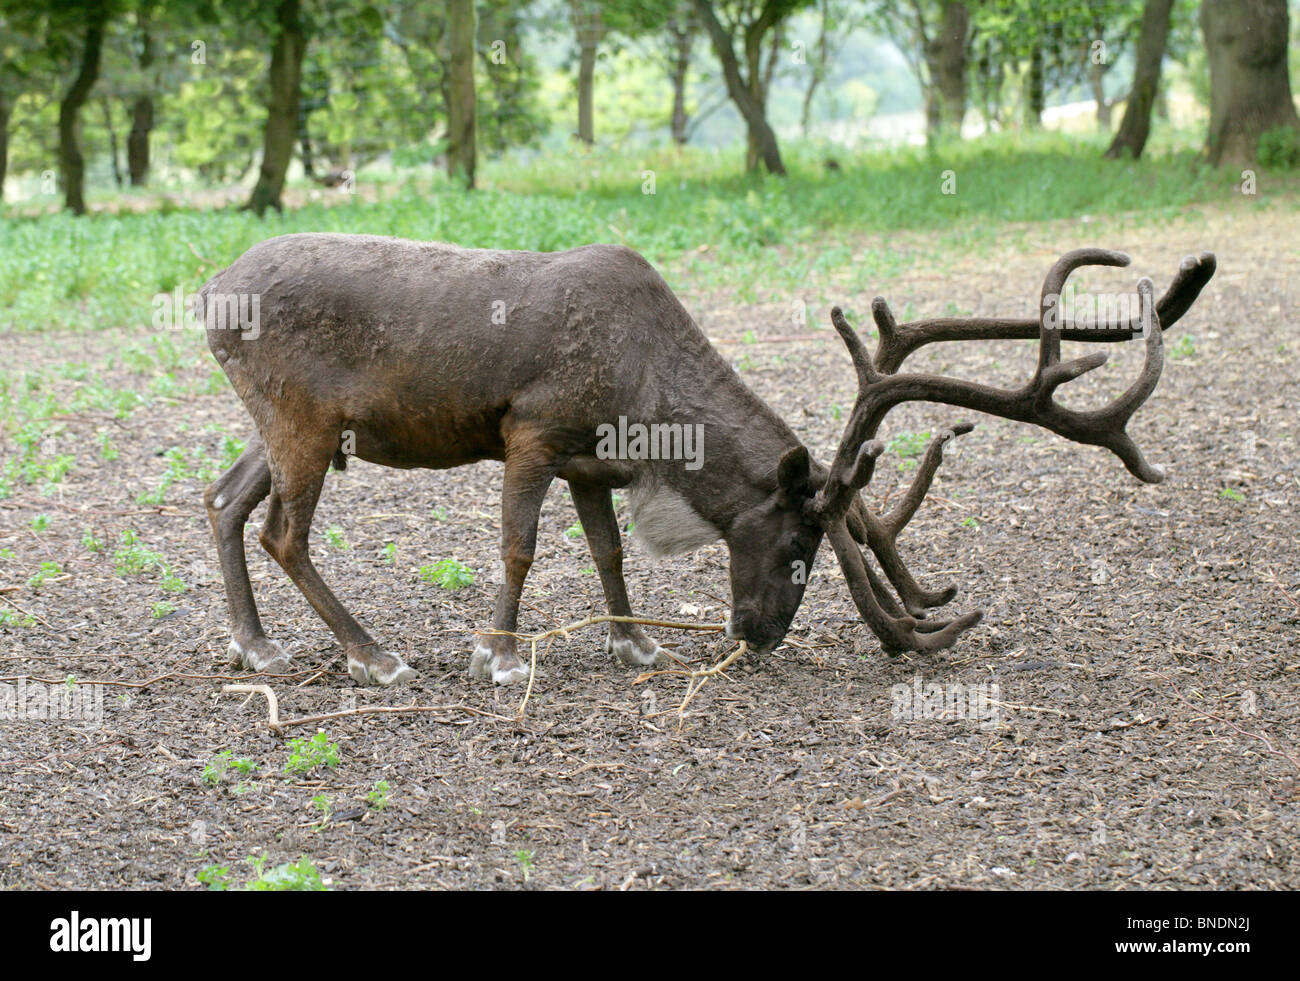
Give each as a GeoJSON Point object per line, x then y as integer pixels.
{"type": "Point", "coordinates": [1268, 745]}
{"type": "Point", "coordinates": [272, 706]}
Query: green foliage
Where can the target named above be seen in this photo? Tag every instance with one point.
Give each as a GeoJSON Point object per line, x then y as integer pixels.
{"type": "Point", "coordinates": [448, 573]}
{"type": "Point", "coordinates": [306, 755]}
{"type": "Point", "coordinates": [299, 876]}
{"type": "Point", "coordinates": [47, 571]}
{"type": "Point", "coordinates": [543, 206]}
{"type": "Point", "coordinates": [525, 860]}
{"type": "Point", "coordinates": [1184, 347]}
{"type": "Point", "coordinates": [216, 769]}
{"type": "Point", "coordinates": [378, 798]}
{"type": "Point", "coordinates": [1279, 148]}
{"type": "Point", "coordinates": [133, 558]}
{"type": "Point", "coordinates": [908, 446]}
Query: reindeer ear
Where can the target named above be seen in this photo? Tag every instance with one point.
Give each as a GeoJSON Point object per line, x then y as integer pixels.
{"type": "Point", "coordinates": [792, 473]}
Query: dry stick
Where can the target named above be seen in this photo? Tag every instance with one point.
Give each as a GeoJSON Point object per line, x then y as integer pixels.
{"type": "Point", "coordinates": [273, 707]}
{"type": "Point", "coordinates": [1268, 746]}
{"type": "Point", "coordinates": [153, 681]}
{"type": "Point", "coordinates": [34, 616]}
{"type": "Point", "coordinates": [1272, 577]}
{"type": "Point", "coordinates": [278, 725]}
{"type": "Point", "coordinates": [534, 639]}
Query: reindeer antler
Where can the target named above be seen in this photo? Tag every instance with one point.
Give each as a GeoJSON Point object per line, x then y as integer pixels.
{"type": "Point", "coordinates": [880, 388]}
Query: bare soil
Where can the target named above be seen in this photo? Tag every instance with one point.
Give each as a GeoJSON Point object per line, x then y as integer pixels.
{"type": "Point", "coordinates": [1141, 638]}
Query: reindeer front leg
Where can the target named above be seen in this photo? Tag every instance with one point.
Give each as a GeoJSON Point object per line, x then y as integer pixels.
{"type": "Point", "coordinates": [529, 472]}
{"type": "Point", "coordinates": [626, 641]}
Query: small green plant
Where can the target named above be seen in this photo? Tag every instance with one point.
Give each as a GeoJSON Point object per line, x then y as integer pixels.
{"type": "Point", "coordinates": [12, 618]}
{"type": "Point", "coordinates": [133, 558]}
{"type": "Point", "coordinates": [171, 583]}
{"type": "Point", "coordinates": [1184, 347]}
{"type": "Point", "coordinates": [440, 513]}
{"type": "Point", "coordinates": [40, 523]}
{"type": "Point", "coordinates": [299, 876]}
{"type": "Point", "coordinates": [970, 522]}
{"type": "Point", "coordinates": [525, 860]}
{"type": "Point", "coordinates": [1232, 494]}
{"type": "Point", "coordinates": [448, 573]}
{"type": "Point", "coordinates": [306, 755]}
{"type": "Point", "coordinates": [219, 765]}
{"type": "Point", "coordinates": [91, 543]}
{"type": "Point", "coordinates": [574, 530]}
{"type": "Point", "coordinates": [107, 451]}
{"type": "Point", "coordinates": [215, 877]}
{"type": "Point", "coordinates": [378, 798]}
{"type": "Point", "coordinates": [163, 608]}
{"type": "Point", "coordinates": [389, 553]}
{"type": "Point", "coordinates": [334, 536]}
{"type": "Point", "coordinates": [230, 450]}
{"type": "Point", "coordinates": [908, 446]}
{"type": "Point", "coordinates": [322, 804]}
{"type": "Point", "coordinates": [48, 571]}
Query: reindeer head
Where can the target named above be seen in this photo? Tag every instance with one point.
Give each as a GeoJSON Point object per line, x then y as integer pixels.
{"type": "Point", "coordinates": [900, 621]}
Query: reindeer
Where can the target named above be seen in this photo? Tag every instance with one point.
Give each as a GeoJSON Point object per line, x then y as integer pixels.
{"type": "Point", "coordinates": [413, 354]}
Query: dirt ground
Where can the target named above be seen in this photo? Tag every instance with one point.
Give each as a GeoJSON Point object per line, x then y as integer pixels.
{"type": "Point", "coordinates": [1144, 731]}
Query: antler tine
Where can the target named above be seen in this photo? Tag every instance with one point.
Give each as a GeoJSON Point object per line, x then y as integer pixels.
{"type": "Point", "coordinates": [1049, 306]}
{"type": "Point", "coordinates": [896, 634]}
{"type": "Point", "coordinates": [892, 608]}
{"type": "Point", "coordinates": [857, 350]}
{"type": "Point", "coordinates": [902, 513]}
{"type": "Point", "coordinates": [832, 502]}
{"type": "Point", "coordinates": [882, 531]}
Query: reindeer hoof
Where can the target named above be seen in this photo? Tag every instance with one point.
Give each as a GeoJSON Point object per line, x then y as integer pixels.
{"type": "Point", "coordinates": [374, 667]}
{"type": "Point", "coordinates": [501, 667]}
{"type": "Point", "coordinates": [261, 654]}
{"type": "Point", "coordinates": [635, 649]}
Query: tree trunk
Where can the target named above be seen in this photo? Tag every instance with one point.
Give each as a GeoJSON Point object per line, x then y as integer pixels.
{"type": "Point", "coordinates": [945, 56]}
{"type": "Point", "coordinates": [757, 92]}
{"type": "Point", "coordinates": [106, 105]}
{"type": "Point", "coordinates": [137, 142]}
{"type": "Point", "coordinates": [4, 142]}
{"type": "Point", "coordinates": [71, 161]}
{"type": "Point", "coordinates": [460, 109]}
{"type": "Point", "coordinates": [817, 68]}
{"type": "Point", "coordinates": [1250, 86]}
{"type": "Point", "coordinates": [1135, 126]}
{"type": "Point", "coordinates": [588, 29]}
{"type": "Point", "coordinates": [761, 137]}
{"type": "Point", "coordinates": [281, 109]}
{"type": "Point", "coordinates": [683, 33]}
{"type": "Point", "coordinates": [305, 150]}
{"type": "Point", "coordinates": [1034, 94]}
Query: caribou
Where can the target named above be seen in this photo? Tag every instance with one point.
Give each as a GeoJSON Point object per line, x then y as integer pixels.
{"type": "Point", "coordinates": [427, 355]}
